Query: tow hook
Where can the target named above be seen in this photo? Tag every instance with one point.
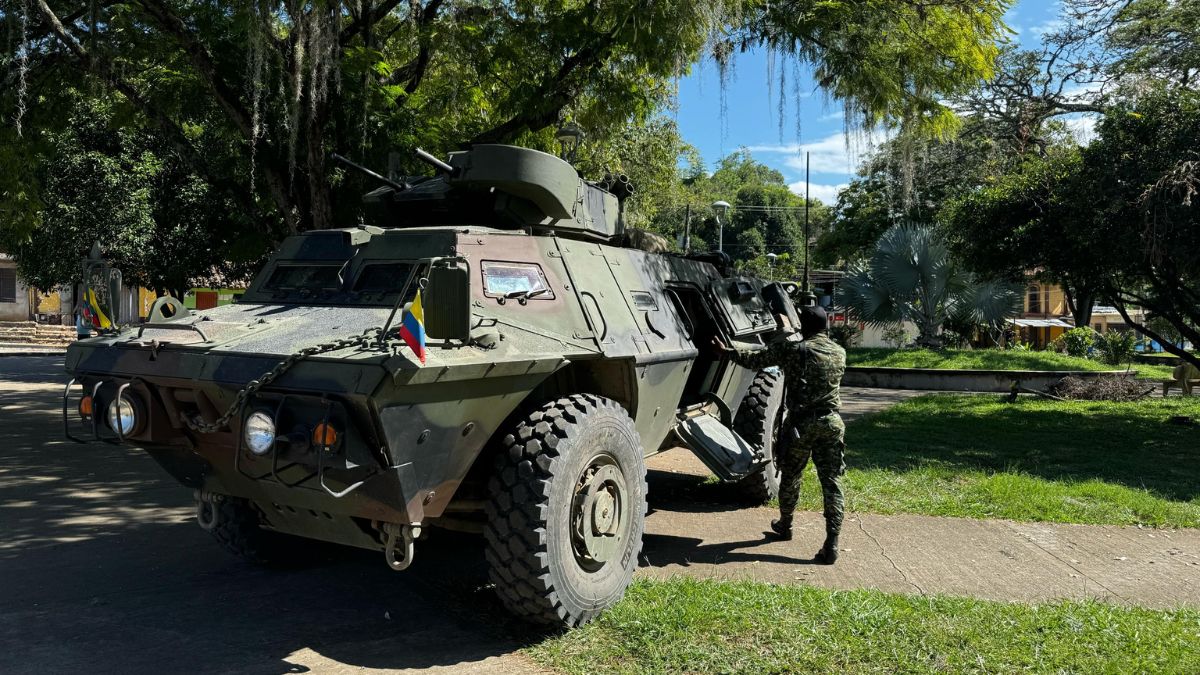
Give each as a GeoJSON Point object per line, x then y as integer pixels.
{"type": "Point", "coordinates": [398, 538]}
{"type": "Point", "coordinates": [207, 514]}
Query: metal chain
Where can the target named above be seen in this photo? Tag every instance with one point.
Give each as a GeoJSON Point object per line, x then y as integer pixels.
{"type": "Point", "coordinates": [239, 402]}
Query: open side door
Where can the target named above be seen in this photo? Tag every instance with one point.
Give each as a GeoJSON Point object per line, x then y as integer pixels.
{"type": "Point", "coordinates": [725, 453]}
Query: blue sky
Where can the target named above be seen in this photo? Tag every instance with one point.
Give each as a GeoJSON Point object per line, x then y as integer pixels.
{"type": "Point", "coordinates": [751, 119]}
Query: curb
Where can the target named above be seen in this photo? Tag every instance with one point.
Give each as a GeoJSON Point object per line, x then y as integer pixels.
{"type": "Point", "coordinates": [25, 350]}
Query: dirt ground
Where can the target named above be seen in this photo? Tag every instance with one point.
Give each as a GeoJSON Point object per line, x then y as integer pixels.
{"type": "Point", "coordinates": [104, 570]}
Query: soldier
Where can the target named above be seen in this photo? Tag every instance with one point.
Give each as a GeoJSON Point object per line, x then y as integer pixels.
{"type": "Point", "coordinates": [812, 372]}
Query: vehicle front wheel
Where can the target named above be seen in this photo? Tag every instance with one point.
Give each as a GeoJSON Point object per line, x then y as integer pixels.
{"type": "Point", "coordinates": [566, 511]}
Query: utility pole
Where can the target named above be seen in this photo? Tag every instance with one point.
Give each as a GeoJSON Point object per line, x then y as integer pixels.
{"type": "Point", "coordinates": [807, 296]}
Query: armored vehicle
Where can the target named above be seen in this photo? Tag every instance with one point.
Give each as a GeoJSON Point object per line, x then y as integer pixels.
{"type": "Point", "coordinates": [556, 357]}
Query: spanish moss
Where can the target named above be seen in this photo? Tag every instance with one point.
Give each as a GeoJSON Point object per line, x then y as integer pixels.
{"type": "Point", "coordinates": [23, 47]}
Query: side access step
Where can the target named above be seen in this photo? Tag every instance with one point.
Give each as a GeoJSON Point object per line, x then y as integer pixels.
{"type": "Point", "coordinates": [725, 453]}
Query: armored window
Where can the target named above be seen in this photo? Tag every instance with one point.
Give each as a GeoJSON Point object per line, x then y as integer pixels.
{"type": "Point", "coordinates": [387, 277]}
{"type": "Point", "coordinates": [305, 277]}
{"type": "Point", "coordinates": [8, 285]}
{"type": "Point", "coordinates": [507, 278]}
{"type": "Point", "coordinates": [644, 301]}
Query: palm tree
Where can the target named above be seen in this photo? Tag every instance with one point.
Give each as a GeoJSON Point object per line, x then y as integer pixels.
{"type": "Point", "coordinates": [911, 277]}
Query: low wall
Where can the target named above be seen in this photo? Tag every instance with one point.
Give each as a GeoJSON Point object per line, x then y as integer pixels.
{"type": "Point", "coordinates": [935, 379]}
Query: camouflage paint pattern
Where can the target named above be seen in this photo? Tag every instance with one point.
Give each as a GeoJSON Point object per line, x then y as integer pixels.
{"type": "Point", "coordinates": [610, 324]}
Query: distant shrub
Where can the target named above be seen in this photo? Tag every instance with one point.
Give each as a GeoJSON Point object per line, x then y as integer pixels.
{"type": "Point", "coordinates": [1078, 341]}
{"type": "Point", "coordinates": [846, 335]}
{"type": "Point", "coordinates": [953, 339]}
{"type": "Point", "coordinates": [1116, 347]}
{"type": "Point", "coordinates": [895, 336]}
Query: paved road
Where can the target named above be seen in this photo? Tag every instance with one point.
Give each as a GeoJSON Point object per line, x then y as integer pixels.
{"type": "Point", "coordinates": [102, 568]}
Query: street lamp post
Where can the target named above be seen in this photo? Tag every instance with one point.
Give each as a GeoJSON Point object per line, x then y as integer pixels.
{"type": "Point", "coordinates": [569, 137]}
{"type": "Point", "coordinates": [771, 263]}
{"type": "Point", "coordinates": [720, 208]}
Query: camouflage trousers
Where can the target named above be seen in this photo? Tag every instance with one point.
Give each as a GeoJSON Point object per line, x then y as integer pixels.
{"type": "Point", "coordinates": [822, 439]}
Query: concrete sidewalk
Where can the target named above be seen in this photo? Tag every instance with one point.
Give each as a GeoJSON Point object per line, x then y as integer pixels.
{"type": "Point", "coordinates": [990, 559]}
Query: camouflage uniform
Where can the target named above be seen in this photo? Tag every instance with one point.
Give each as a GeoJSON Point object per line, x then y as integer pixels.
{"type": "Point", "coordinates": [812, 372]}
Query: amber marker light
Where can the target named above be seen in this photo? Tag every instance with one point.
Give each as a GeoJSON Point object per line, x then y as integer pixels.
{"type": "Point", "coordinates": [324, 435]}
{"type": "Point", "coordinates": [85, 407]}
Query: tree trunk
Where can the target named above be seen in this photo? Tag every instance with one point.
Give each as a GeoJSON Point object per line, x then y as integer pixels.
{"type": "Point", "coordinates": [1079, 303]}
{"type": "Point", "coordinates": [320, 208]}
{"type": "Point", "coordinates": [1188, 357]}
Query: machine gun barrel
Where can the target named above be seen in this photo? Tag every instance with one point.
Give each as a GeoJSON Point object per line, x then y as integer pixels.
{"type": "Point", "coordinates": [434, 162]}
{"type": "Point", "coordinates": [399, 187]}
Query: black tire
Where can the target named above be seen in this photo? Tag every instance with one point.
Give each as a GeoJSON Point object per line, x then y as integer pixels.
{"type": "Point", "coordinates": [758, 421]}
{"type": "Point", "coordinates": [238, 530]}
{"type": "Point", "coordinates": [559, 469]}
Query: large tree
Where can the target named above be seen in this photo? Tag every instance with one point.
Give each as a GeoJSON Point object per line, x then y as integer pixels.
{"type": "Point", "coordinates": [252, 96]}
{"type": "Point", "coordinates": [1120, 217]}
{"type": "Point", "coordinates": [766, 217]}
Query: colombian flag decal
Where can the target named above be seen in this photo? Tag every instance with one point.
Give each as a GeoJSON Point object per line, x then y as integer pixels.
{"type": "Point", "coordinates": [412, 328]}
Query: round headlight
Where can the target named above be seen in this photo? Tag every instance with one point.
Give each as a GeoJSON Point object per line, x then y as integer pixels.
{"type": "Point", "coordinates": [259, 433]}
{"type": "Point", "coordinates": [122, 416]}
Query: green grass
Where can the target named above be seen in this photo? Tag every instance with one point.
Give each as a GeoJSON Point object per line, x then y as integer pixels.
{"type": "Point", "coordinates": [695, 626]}
{"type": "Point", "coordinates": [989, 359]}
{"type": "Point", "coordinates": [1034, 460]}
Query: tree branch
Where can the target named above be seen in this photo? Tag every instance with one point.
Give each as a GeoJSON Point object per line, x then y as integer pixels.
{"type": "Point", "coordinates": [1166, 344]}
{"type": "Point", "coordinates": [367, 18]}
{"type": "Point", "coordinates": [551, 96]}
{"type": "Point", "coordinates": [424, 51]}
{"type": "Point", "coordinates": [203, 62]}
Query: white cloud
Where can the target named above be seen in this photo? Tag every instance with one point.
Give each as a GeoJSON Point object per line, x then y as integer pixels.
{"type": "Point", "coordinates": [826, 193]}
{"type": "Point", "coordinates": [831, 154]}
{"type": "Point", "coordinates": [1083, 128]}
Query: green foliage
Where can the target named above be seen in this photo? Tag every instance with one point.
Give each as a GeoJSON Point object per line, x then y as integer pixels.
{"type": "Point", "coordinates": [847, 335]}
{"type": "Point", "coordinates": [691, 625]}
{"type": "Point", "coordinates": [912, 277]}
{"type": "Point", "coordinates": [896, 335]}
{"type": "Point", "coordinates": [1078, 341]}
{"type": "Point", "coordinates": [156, 221]}
{"type": "Point", "coordinates": [1157, 39]}
{"type": "Point", "coordinates": [1118, 216]}
{"type": "Point", "coordinates": [1116, 347]}
{"type": "Point", "coordinates": [250, 98]}
{"type": "Point", "coordinates": [911, 178]}
{"type": "Point", "coordinates": [766, 216]}
{"type": "Point", "coordinates": [957, 44]}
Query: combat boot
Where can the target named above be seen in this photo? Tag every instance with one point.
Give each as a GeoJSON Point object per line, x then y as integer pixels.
{"type": "Point", "coordinates": [782, 530]}
{"type": "Point", "coordinates": [829, 552]}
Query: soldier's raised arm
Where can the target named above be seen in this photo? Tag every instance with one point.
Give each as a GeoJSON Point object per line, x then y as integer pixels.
{"type": "Point", "coordinates": [774, 355]}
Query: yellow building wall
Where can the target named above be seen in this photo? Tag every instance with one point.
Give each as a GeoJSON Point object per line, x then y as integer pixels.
{"type": "Point", "coordinates": [1052, 298]}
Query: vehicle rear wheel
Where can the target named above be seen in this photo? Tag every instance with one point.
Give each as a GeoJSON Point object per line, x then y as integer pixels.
{"type": "Point", "coordinates": [239, 531]}
{"type": "Point", "coordinates": [758, 421]}
{"type": "Point", "coordinates": [566, 511]}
